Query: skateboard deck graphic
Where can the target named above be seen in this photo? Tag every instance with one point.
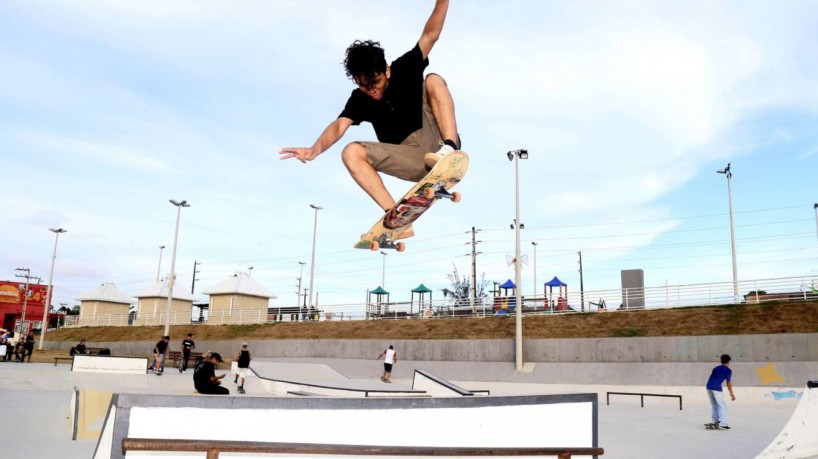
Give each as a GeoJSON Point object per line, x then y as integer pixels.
{"type": "Point", "coordinates": [436, 185]}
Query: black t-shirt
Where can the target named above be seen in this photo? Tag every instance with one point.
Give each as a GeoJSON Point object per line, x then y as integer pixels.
{"type": "Point", "coordinates": [80, 349]}
{"type": "Point", "coordinates": [244, 359]}
{"type": "Point", "coordinates": [202, 375]}
{"type": "Point", "coordinates": [161, 346]}
{"type": "Point", "coordinates": [187, 345]}
{"type": "Point", "coordinates": [400, 111]}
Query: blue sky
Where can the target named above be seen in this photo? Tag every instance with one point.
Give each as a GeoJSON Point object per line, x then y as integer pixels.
{"type": "Point", "coordinates": [109, 109]}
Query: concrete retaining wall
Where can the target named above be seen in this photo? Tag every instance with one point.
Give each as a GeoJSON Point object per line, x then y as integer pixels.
{"type": "Point", "coordinates": [789, 347]}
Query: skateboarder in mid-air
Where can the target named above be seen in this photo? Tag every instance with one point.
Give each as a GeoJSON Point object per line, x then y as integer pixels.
{"type": "Point", "coordinates": [413, 116]}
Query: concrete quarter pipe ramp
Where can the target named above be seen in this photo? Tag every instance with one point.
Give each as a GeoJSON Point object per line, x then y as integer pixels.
{"type": "Point", "coordinates": [799, 439]}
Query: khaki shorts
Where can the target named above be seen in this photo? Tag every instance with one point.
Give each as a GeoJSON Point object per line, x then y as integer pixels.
{"type": "Point", "coordinates": [405, 161]}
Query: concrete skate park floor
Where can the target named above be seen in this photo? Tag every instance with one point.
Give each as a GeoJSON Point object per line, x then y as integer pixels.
{"type": "Point", "coordinates": [35, 399]}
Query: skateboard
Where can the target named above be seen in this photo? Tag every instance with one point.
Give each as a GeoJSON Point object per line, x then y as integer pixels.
{"type": "Point", "coordinates": [436, 185]}
{"type": "Point", "coordinates": [714, 426]}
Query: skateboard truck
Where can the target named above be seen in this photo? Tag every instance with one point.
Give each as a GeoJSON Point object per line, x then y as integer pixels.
{"type": "Point", "coordinates": [386, 242]}
{"type": "Point", "coordinates": [437, 191]}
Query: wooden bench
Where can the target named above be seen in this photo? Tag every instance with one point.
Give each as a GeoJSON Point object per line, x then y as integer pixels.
{"type": "Point", "coordinates": [175, 357]}
{"type": "Point", "coordinates": [57, 359]}
{"type": "Point", "coordinates": [88, 351]}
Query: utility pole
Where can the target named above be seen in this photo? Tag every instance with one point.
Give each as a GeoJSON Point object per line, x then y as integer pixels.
{"type": "Point", "coordinates": [474, 253]}
{"type": "Point", "coordinates": [581, 285]}
{"type": "Point", "coordinates": [193, 284]}
{"type": "Point", "coordinates": [298, 292]}
{"type": "Point", "coordinates": [27, 277]}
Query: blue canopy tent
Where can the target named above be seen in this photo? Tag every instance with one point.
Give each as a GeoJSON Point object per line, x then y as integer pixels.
{"type": "Point", "coordinates": [505, 303]}
{"type": "Point", "coordinates": [562, 298]}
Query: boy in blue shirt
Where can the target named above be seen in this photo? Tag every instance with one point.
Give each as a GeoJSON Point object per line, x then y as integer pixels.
{"type": "Point", "coordinates": [720, 374]}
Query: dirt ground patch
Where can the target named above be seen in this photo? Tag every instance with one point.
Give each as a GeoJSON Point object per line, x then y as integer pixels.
{"type": "Point", "coordinates": [782, 317]}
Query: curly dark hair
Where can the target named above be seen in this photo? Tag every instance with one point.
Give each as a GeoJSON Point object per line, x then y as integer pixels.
{"type": "Point", "coordinates": [364, 60]}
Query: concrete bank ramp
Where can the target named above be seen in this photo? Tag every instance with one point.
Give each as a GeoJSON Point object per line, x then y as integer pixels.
{"type": "Point", "coordinates": [436, 386]}
{"type": "Point", "coordinates": [799, 438]}
{"type": "Point", "coordinates": [297, 371]}
{"type": "Point", "coordinates": [317, 379]}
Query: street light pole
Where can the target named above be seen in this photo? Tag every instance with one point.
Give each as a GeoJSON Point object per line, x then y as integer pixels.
{"type": "Point", "coordinates": [516, 155]}
{"type": "Point", "coordinates": [159, 268]}
{"type": "Point", "coordinates": [726, 172]}
{"type": "Point", "coordinates": [172, 276]}
{"type": "Point", "coordinates": [312, 262]}
{"type": "Point", "coordinates": [47, 305]}
{"type": "Point", "coordinates": [383, 271]}
{"type": "Point", "coordinates": [250, 271]}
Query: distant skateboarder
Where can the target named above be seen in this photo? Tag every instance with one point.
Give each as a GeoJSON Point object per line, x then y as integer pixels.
{"type": "Point", "coordinates": [243, 366]}
{"type": "Point", "coordinates": [720, 374]}
{"type": "Point", "coordinates": [389, 359]}
{"type": "Point", "coordinates": [187, 345]}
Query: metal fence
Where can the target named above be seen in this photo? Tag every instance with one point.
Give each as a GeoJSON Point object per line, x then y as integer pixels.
{"type": "Point", "coordinates": [666, 296]}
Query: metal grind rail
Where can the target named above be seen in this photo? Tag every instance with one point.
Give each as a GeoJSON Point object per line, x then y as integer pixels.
{"type": "Point", "coordinates": [642, 397]}
{"type": "Point", "coordinates": [214, 447]}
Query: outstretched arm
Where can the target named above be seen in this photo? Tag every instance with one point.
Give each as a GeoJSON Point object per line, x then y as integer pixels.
{"type": "Point", "coordinates": [331, 134]}
{"type": "Point", "coordinates": [431, 32]}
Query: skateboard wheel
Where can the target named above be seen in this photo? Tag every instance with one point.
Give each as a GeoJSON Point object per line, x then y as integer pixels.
{"type": "Point", "coordinates": [373, 246]}
{"type": "Point", "coordinates": [429, 193]}
{"type": "Point", "coordinates": [456, 197]}
{"type": "Point", "coordinates": [400, 246]}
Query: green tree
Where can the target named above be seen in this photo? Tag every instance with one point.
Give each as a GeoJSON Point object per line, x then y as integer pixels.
{"type": "Point", "coordinates": [460, 291]}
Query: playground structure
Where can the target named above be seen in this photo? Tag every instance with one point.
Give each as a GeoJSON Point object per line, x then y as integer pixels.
{"type": "Point", "coordinates": [504, 302]}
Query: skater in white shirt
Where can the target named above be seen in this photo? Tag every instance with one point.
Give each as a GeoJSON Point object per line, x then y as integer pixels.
{"type": "Point", "coordinates": [389, 358]}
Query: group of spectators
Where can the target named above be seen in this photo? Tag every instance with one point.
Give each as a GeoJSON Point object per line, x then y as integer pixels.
{"type": "Point", "coordinates": [204, 374]}
{"type": "Point", "coordinates": [16, 351]}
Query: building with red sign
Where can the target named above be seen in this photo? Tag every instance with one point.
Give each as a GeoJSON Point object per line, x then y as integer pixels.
{"type": "Point", "coordinates": [12, 303]}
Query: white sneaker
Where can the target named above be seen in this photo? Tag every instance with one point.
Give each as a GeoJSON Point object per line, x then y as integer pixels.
{"type": "Point", "coordinates": [432, 158]}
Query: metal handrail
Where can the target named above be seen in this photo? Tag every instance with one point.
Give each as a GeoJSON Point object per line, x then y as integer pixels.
{"type": "Point", "coordinates": [214, 447]}
{"type": "Point", "coordinates": [642, 396]}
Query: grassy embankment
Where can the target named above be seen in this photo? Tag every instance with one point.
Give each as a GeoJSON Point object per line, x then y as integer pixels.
{"type": "Point", "coordinates": [779, 317]}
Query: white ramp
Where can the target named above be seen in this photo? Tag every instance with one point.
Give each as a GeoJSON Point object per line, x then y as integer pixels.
{"type": "Point", "coordinates": [561, 421]}
{"type": "Point", "coordinates": [109, 364]}
{"type": "Point", "coordinates": [799, 439]}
